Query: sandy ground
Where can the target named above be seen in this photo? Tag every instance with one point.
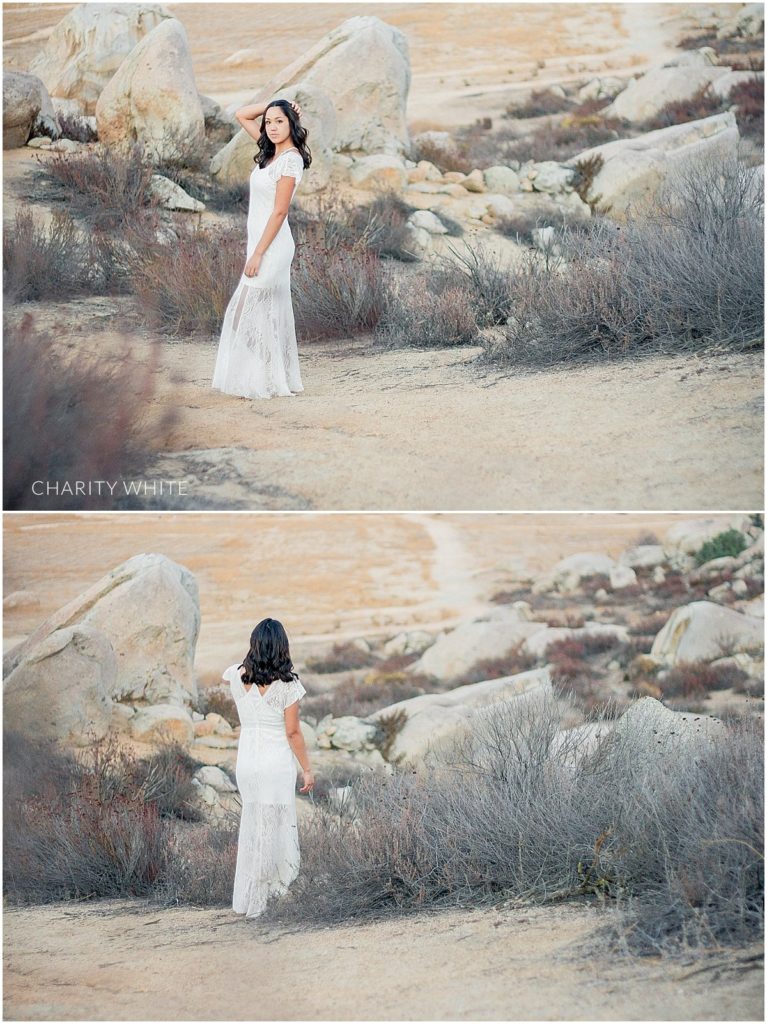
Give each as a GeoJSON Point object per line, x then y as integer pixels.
{"type": "Point", "coordinates": [431, 430]}
{"type": "Point", "coordinates": [325, 576]}
{"type": "Point", "coordinates": [131, 963]}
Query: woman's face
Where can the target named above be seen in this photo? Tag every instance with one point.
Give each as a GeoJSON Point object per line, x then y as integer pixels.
{"type": "Point", "coordinates": [277, 125]}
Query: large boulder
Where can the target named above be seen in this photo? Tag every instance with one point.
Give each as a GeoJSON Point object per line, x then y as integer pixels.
{"type": "Point", "coordinates": [703, 631]}
{"type": "Point", "coordinates": [364, 66]}
{"type": "Point", "coordinates": [234, 161]}
{"type": "Point", "coordinates": [643, 556]}
{"type": "Point", "coordinates": [644, 97]}
{"type": "Point", "coordinates": [379, 171]}
{"type": "Point", "coordinates": [634, 171]}
{"type": "Point", "coordinates": [652, 740]}
{"type": "Point", "coordinates": [61, 686]}
{"type": "Point", "coordinates": [742, 22]}
{"type": "Point", "coordinates": [360, 112]}
{"type": "Point", "coordinates": [152, 98]}
{"type": "Point", "coordinates": [494, 635]}
{"type": "Point", "coordinates": [27, 109]}
{"type": "Point", "coordinates": [88, 45]}
{"type": "Point", "coordinates": [148, 608]}
{"type": "Point", "coordinates": [434, 719]}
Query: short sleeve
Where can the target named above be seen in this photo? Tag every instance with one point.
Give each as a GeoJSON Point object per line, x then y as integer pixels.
{"type": "Point", "coordinates": [290, 164]}
{"type": "Point", "coordinates": [232, 676]}
{"type": "Point", "coordinates": [294, 691]}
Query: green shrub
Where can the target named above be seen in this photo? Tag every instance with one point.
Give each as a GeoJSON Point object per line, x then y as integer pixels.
{"type": "Point", "coordinates": [729, 543]}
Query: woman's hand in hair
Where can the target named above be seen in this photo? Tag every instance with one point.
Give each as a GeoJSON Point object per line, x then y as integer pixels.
{"type": "Point", "coordinates": [296, 107]}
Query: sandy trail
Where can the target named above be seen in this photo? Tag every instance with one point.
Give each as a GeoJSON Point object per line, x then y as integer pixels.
{"type": "Point", "coordinates": [131, 963]}
{"type": "Point", "coordinates": [431, 430]}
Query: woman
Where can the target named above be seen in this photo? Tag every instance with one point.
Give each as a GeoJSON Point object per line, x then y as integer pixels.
{"type": "Point", "coordinates": [266, 690]}
{"type": "Point", "coordinates": [257, 352]}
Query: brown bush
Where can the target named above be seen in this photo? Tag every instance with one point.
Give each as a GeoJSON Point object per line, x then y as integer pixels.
{"type": "Point", "coordinates": [748, 97]}
{"type": "Point", "coordinates": [50, 407]}
{"type": "Point", "coordinates": [217, 700]}
{"type": "Point", "coordinates": [513, 662]}
{"type": "Point", "coordinates": [103, 187]}
{"type": "Point", "coordinates": [702, 103]}
{"type": "Point", "coordinates": [337, 292]}
{"type": "Point", "coordinates": [362, 697]}
{"type": "Point", "coordinates": [45, 263]}
{"type": "Point", "coordinates": [698, 678]}
{"type": "Point", "coordinates": [539, 103]}
{"type": "Point", "coordinates": [185, 284]}
{"type": "Point", "coordinates": [343, 657]}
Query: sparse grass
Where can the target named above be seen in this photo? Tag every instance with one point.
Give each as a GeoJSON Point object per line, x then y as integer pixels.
{"type": "Point", "coordinates": [536, 821]}
{"type": "Point", "coordinates": [50, 406]}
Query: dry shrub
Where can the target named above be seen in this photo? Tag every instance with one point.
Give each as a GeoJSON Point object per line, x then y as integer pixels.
{"type": "Point", "coordinates": [539, 103]}
{"type": "Point", "coordinates": [199, 865]}
{"type": "Point", "coordinates": [218, 700]}
{"type": "Point", "coordinates": [45, 263]}
{"type": "Point", "coordinates": [337, 292]}
{"type": "Point", "coordinates": [748, 98]}
{"type": "Point", "coordinates": [361, 698]}
{"type": "Point", "coordinates": [428, 312]}
{"type": "Point", "coordinates": [102, 186]}
{"type": "Point", "coordinates": [698, 678]}
{"type": "Point", "coordinates": [515, 810]}
{"type": "Point", "coordinates": [342, 657]}
{"type": "Point", "coordinates": [688, 275]}
{"type": "Point", "coordinates": [702, 103]}
{"type": "Point", "coordinates": [565, 139]}
{"type": "Point", "coordinates": [77, 128]}
{"type": "Point", "coordinates": [93, 824]}
{"type": "Point", "coordinates": [184, 283]}
{"type": "Point", "coordinates": [446, 158]}
{"type": "Point", "coordinates": [510, 664]}
{"type": "Point", "coordinates": [50, 406]}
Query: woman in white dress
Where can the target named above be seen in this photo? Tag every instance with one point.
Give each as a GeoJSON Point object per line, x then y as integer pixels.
{"type": "Point", "coordinates": [266, 690]}
{"type": "Point", "coordinates": [257, 352]}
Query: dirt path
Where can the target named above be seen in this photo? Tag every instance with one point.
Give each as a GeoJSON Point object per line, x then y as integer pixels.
{"type": "Point", "coordinates": [432, 430]}
{"type": "Point", "coordinates": [129, 963]}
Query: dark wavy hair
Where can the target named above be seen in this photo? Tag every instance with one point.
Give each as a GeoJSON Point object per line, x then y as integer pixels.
{"type": "Point", "coordinates": [298, 134]}
{"type": "Point", "coordinates": [269, 655]}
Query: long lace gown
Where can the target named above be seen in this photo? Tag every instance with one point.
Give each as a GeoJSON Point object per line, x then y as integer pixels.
{"type": "Point", "coordinates": [257, 352]}
{"type": "Point", "coordinates": [268, 855]}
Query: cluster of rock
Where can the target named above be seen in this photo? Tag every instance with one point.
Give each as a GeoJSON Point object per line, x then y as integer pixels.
{"type": "Point", "coordinates": [127, 70]}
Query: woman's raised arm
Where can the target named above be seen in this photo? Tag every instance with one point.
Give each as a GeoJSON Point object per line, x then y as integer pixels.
{"type": "Point", "coordinates": [248, 116]}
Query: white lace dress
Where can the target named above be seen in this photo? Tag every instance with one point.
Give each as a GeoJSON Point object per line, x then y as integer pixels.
{"type": "Point", "coordinates": [257, 352]}
{"type": "Point", "coordinates": [268, 855]}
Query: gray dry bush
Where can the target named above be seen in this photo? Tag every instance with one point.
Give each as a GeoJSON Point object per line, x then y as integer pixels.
{"type": "Point", "coordinates": [447, 302]}
{"type": "Point", "coordinates": [92, 824]}
{"type": "Point", "coordinates": [689, 275]}
{"type": "Point", "coordinates": [510, 811]}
